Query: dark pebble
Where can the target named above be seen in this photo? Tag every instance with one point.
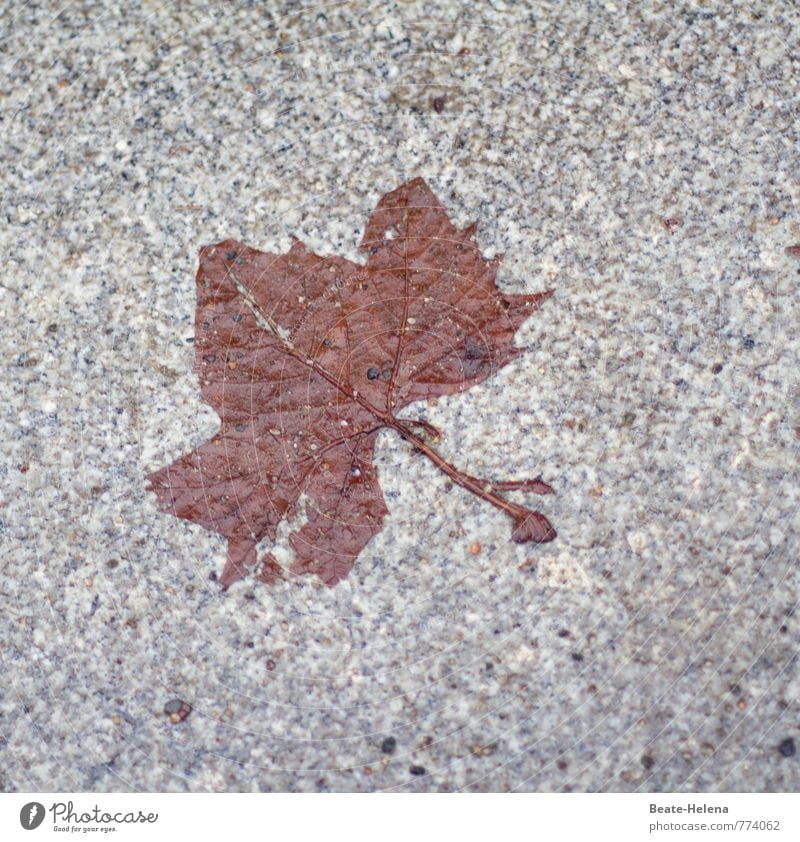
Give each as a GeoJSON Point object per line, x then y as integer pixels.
{"type": "Point", "coordinates": [748, 343]}
{"type": "Point", "coordinates": [177, 710]}
{"type": "Point", "coordinates": [417, 770]}
{"type": "Point", "coordinates": [787, 747]}
{"type": "Point", "coordinates": [716, 368]}
{"type": "Point", "coordinates": [438, 104]}
{"type": "Point", "coordinates": [373, 374]}
{"type": "Point", "coordinates": [388, 745]}
{"type": "Point", "coordinates": [647, 761]}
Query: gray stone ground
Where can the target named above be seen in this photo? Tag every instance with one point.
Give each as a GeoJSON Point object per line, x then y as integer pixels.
{"type": "Point", "coordinates": [653, 645]}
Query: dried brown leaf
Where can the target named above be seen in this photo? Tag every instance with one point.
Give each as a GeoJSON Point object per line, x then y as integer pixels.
{"type": "Point", "coordinates": [305, 358]}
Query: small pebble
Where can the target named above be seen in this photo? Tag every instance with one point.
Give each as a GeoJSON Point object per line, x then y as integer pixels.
{"type": "Point", "coordinates": [417, 770]}
{"type": "Point", "coordinates": [480, 750]}
{"type": "Point", "coordinates": [787, 747]}
{"type": "Point", "coordinates": [388, 745]}
{"type": "Point", "coordinates": [474, 548]}
{"type": "Point", "coordinates": [177, 710]}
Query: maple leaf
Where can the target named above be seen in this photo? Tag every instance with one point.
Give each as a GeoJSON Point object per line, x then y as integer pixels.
{"type": "Point", "coordinates": [306, 358]}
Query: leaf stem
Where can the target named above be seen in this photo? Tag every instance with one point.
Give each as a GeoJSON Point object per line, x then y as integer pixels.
{"type": "Point", "coordinates": [470, 483]}
{"type": "Point", "coordinates": [429, 428]}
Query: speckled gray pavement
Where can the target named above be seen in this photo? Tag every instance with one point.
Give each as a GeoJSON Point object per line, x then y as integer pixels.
{"type": "Point", "coordinates": [652, 646]}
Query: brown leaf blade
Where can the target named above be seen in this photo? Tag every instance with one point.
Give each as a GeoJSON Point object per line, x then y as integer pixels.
{"type": "Point", "coordinates": [305, 358]}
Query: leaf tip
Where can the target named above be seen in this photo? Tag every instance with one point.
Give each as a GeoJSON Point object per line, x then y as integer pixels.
{"type": "Point", "coordinates": [270, 571]}
{"type": "Point", "coordinates": [532, 527]}
{"type": "Point", "coordinates": [417, 181]}
{"type": "Point", "coordinates": [241, 557]}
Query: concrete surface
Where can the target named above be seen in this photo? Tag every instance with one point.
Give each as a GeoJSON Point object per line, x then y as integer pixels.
{"type": "Point", "coordinates": [653, 646]}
